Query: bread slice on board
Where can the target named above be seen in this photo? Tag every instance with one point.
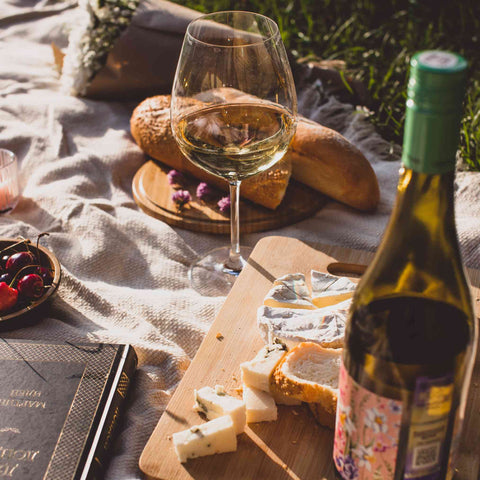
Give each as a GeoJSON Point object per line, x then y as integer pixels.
{"type": "Point", "coordinates": [309, 373]}
{"type": "Point", "coordinates": [150, 127]}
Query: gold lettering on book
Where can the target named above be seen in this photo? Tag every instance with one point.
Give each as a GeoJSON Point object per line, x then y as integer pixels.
{"type": "Point", "coordinates": [25, 393]}
{"type": "Point", "coordinates": [110, 428]}
{"type": "Point", "coordinates": [15, 402]}
{"type": "Point", "coordinates": [7, 470]}
{"type": "Point", "coordinates": [17, 455]}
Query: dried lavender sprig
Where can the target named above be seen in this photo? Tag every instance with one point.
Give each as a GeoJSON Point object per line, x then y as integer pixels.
{"type": "Point", "coordinates": [224, 204]}
{"type": "Point", "coordinates": [175, 177]}
{"type": "Point", "coordinates": [204, 190]}
{"type": "Point", "coordinates": [181, 198]}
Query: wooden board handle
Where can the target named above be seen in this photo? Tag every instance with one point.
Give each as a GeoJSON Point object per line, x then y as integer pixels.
{"type": "Point", "coordinates": [343, 269]}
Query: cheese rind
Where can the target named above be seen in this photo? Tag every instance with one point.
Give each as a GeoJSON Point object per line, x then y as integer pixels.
{"type": "Point", "coordinates": [214, 403]}
{"type": "Point", "coordinates": [290, 291]}
{"type": "Point", "coordinates": [256, 372]}
{"type": "Point", "coordinates": [325, 326]}
{"type": "Point", "coordinates": [260, 405]}
{"type": "Point", "coordinates": [215, 436]}
{"type": "Point", "coordinates": [329, 290]}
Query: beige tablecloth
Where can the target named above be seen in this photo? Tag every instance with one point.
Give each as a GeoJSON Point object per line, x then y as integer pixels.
{"type": "Point", "coordinates": [124, 273]}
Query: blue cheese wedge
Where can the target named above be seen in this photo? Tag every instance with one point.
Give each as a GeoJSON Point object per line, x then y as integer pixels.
{"type": "Point", "coordinates": [214, 403]}
{"type": "Point", "coordinates": [328, 289]}
{"type": "Point", "coordinates": [325, 326]}
{"type": "Point", "coordinates": [256, 372]}
{"type": "Point", "coordinates": [260, 405]}
{"type": "Point", "coordinates": [215, 436]}
{"type": "Point", "coordinates": [290, 291]}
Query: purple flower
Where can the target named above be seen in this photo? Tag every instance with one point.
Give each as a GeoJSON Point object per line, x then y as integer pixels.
{"type": "Point", "coordinates": [174, 177]}
{"type": "Point", "coordinates": [350, 470]}
{"type": "Point", "coordinates": [346, 466]}
{"type": "Point", "coordinates": [224, 204]}
{"type": "Point", "coordinates": [181, 198]}
{"type": "Point", "coordinates": [204, 190]}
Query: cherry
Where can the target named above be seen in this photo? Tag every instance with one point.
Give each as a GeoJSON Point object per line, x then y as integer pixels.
{"type": "Point", "coordinates": [46, 274]}
{"type": "Point", "coordinates": [30, 286]}
{"type": "Point", "coordinates": [8, 296]}
{"type": "Point", "coordinates": [19, 260]}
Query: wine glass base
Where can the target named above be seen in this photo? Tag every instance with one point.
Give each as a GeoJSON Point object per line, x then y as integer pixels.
{"type": "Point", "coordinates": [211, 277]}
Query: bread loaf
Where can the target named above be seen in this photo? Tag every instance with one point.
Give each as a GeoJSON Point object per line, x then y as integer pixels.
{"type": "Point", "coordinates": [326, 161]}
{"type": "Point", "coordinates": [318, 157]}
{"type": "Point", "coordinates": [150, 127]}
{"type": "Point", "coordinates": [309, 373]}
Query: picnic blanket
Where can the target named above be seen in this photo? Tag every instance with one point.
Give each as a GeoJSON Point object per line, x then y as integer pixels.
{"type": "Point", "coordinates": [125, 273]}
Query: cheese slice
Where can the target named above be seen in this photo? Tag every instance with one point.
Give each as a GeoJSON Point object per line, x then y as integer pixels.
{"type": "Point", "coordinates": [328, 289]}
{"type": "Point", "coordinates": [290, 291]}
{"type": "Point", "coordinates": [260, 405]}
{"type": "Point", "coordinates": [325, 326]}
{"type": "Point", "coordinates": [256, 372]}
{"type": "Point", "coordinates": [214, 403]}
{"type": "Point", "coordinates": [215, 436]}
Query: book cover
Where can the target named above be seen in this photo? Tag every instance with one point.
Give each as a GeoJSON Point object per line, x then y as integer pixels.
{"type": "Point", "coordinates": [59, 405]}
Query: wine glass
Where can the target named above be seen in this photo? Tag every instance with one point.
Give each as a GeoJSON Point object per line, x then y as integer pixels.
{"type": "Point", "coordinates": [233, 113]}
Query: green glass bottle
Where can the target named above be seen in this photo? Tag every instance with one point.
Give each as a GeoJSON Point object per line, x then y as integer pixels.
{"type": "Point", "coordinates": [410, 337]}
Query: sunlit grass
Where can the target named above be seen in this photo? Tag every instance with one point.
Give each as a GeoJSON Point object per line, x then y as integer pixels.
{"type": "Point", "coordinates": [376, 39]}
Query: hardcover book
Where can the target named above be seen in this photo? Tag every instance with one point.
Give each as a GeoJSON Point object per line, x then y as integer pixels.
{"type": "Point", "coordinates": [59, 404]}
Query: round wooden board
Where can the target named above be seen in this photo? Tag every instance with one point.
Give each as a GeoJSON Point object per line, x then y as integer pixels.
{"type": "Point", "coordinates": [153, 193]}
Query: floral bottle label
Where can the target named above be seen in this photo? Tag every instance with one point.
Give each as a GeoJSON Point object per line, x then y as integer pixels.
{"type": "Point", "coordinates": [366, 432]}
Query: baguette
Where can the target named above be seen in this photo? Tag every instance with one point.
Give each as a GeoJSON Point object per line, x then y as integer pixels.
{"type": "Point", "coordinates": [309, 373]}
{"type": "Point", "coordinates": [326, 161]}
{"type": "Point", "coordinates": [150, 127]}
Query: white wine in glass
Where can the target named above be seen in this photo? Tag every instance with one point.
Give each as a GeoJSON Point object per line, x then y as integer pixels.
{"type": "Point", "coordinates": [233, 113]}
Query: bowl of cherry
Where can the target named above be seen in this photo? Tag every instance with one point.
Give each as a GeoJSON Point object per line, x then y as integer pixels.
{"type": "Point", "coordinates": [29, 275]}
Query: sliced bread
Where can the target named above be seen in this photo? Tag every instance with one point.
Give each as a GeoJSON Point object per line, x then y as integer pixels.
{"type": "Point", "coordinates": [309, 373]}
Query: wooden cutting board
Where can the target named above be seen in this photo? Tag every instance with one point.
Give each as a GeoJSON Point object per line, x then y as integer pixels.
{"type": "Point", "coordinates": [293, 447]}
{"type": "Point", "coordinates": [153, 193]}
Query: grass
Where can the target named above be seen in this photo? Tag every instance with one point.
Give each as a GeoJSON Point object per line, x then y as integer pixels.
{"type": "Point", "coordinates": [375, 39]}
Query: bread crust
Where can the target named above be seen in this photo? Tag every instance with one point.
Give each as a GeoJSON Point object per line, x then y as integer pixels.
{"type": "Point", "coordinates": [324, 397]}
{"type": "Point", "coordinates": [326, 161]}
{"type": "Point", "coordinates": [322, 416]}
{"type": "Point", "coordinates": [150, 127]}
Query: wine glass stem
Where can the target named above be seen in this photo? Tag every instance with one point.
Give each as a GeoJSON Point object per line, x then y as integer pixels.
{"type": "Point", "coordinates": [234, 261]}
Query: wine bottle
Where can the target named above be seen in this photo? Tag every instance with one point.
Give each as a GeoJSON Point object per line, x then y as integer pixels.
{"type": "Point", "coordinates": [410, 336]}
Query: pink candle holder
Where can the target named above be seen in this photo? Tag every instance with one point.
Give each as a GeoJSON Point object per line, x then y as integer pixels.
{"type": "Point", "coordinates": [9, 189]}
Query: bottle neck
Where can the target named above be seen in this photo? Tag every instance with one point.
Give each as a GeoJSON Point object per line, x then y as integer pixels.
{"type": "Point", "coordinates": [419, 252]}
{"type": "Point", "coordinates": [425, 202]}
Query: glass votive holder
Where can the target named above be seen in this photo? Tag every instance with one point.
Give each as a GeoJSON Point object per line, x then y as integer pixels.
{"type": "Point", "coordinates": [9, 188]}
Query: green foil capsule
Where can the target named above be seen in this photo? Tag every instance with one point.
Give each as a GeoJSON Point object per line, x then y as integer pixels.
{"type": "Point", "coordinates": [434, 111]}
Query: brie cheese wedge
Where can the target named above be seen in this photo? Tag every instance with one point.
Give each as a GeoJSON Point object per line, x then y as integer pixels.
{"type": "Point", "coordinates": [290, 291]}
{"type": "Point", "coordinates": [325, 326]}
{"type": "Point", "coordinates": [329, 290]}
